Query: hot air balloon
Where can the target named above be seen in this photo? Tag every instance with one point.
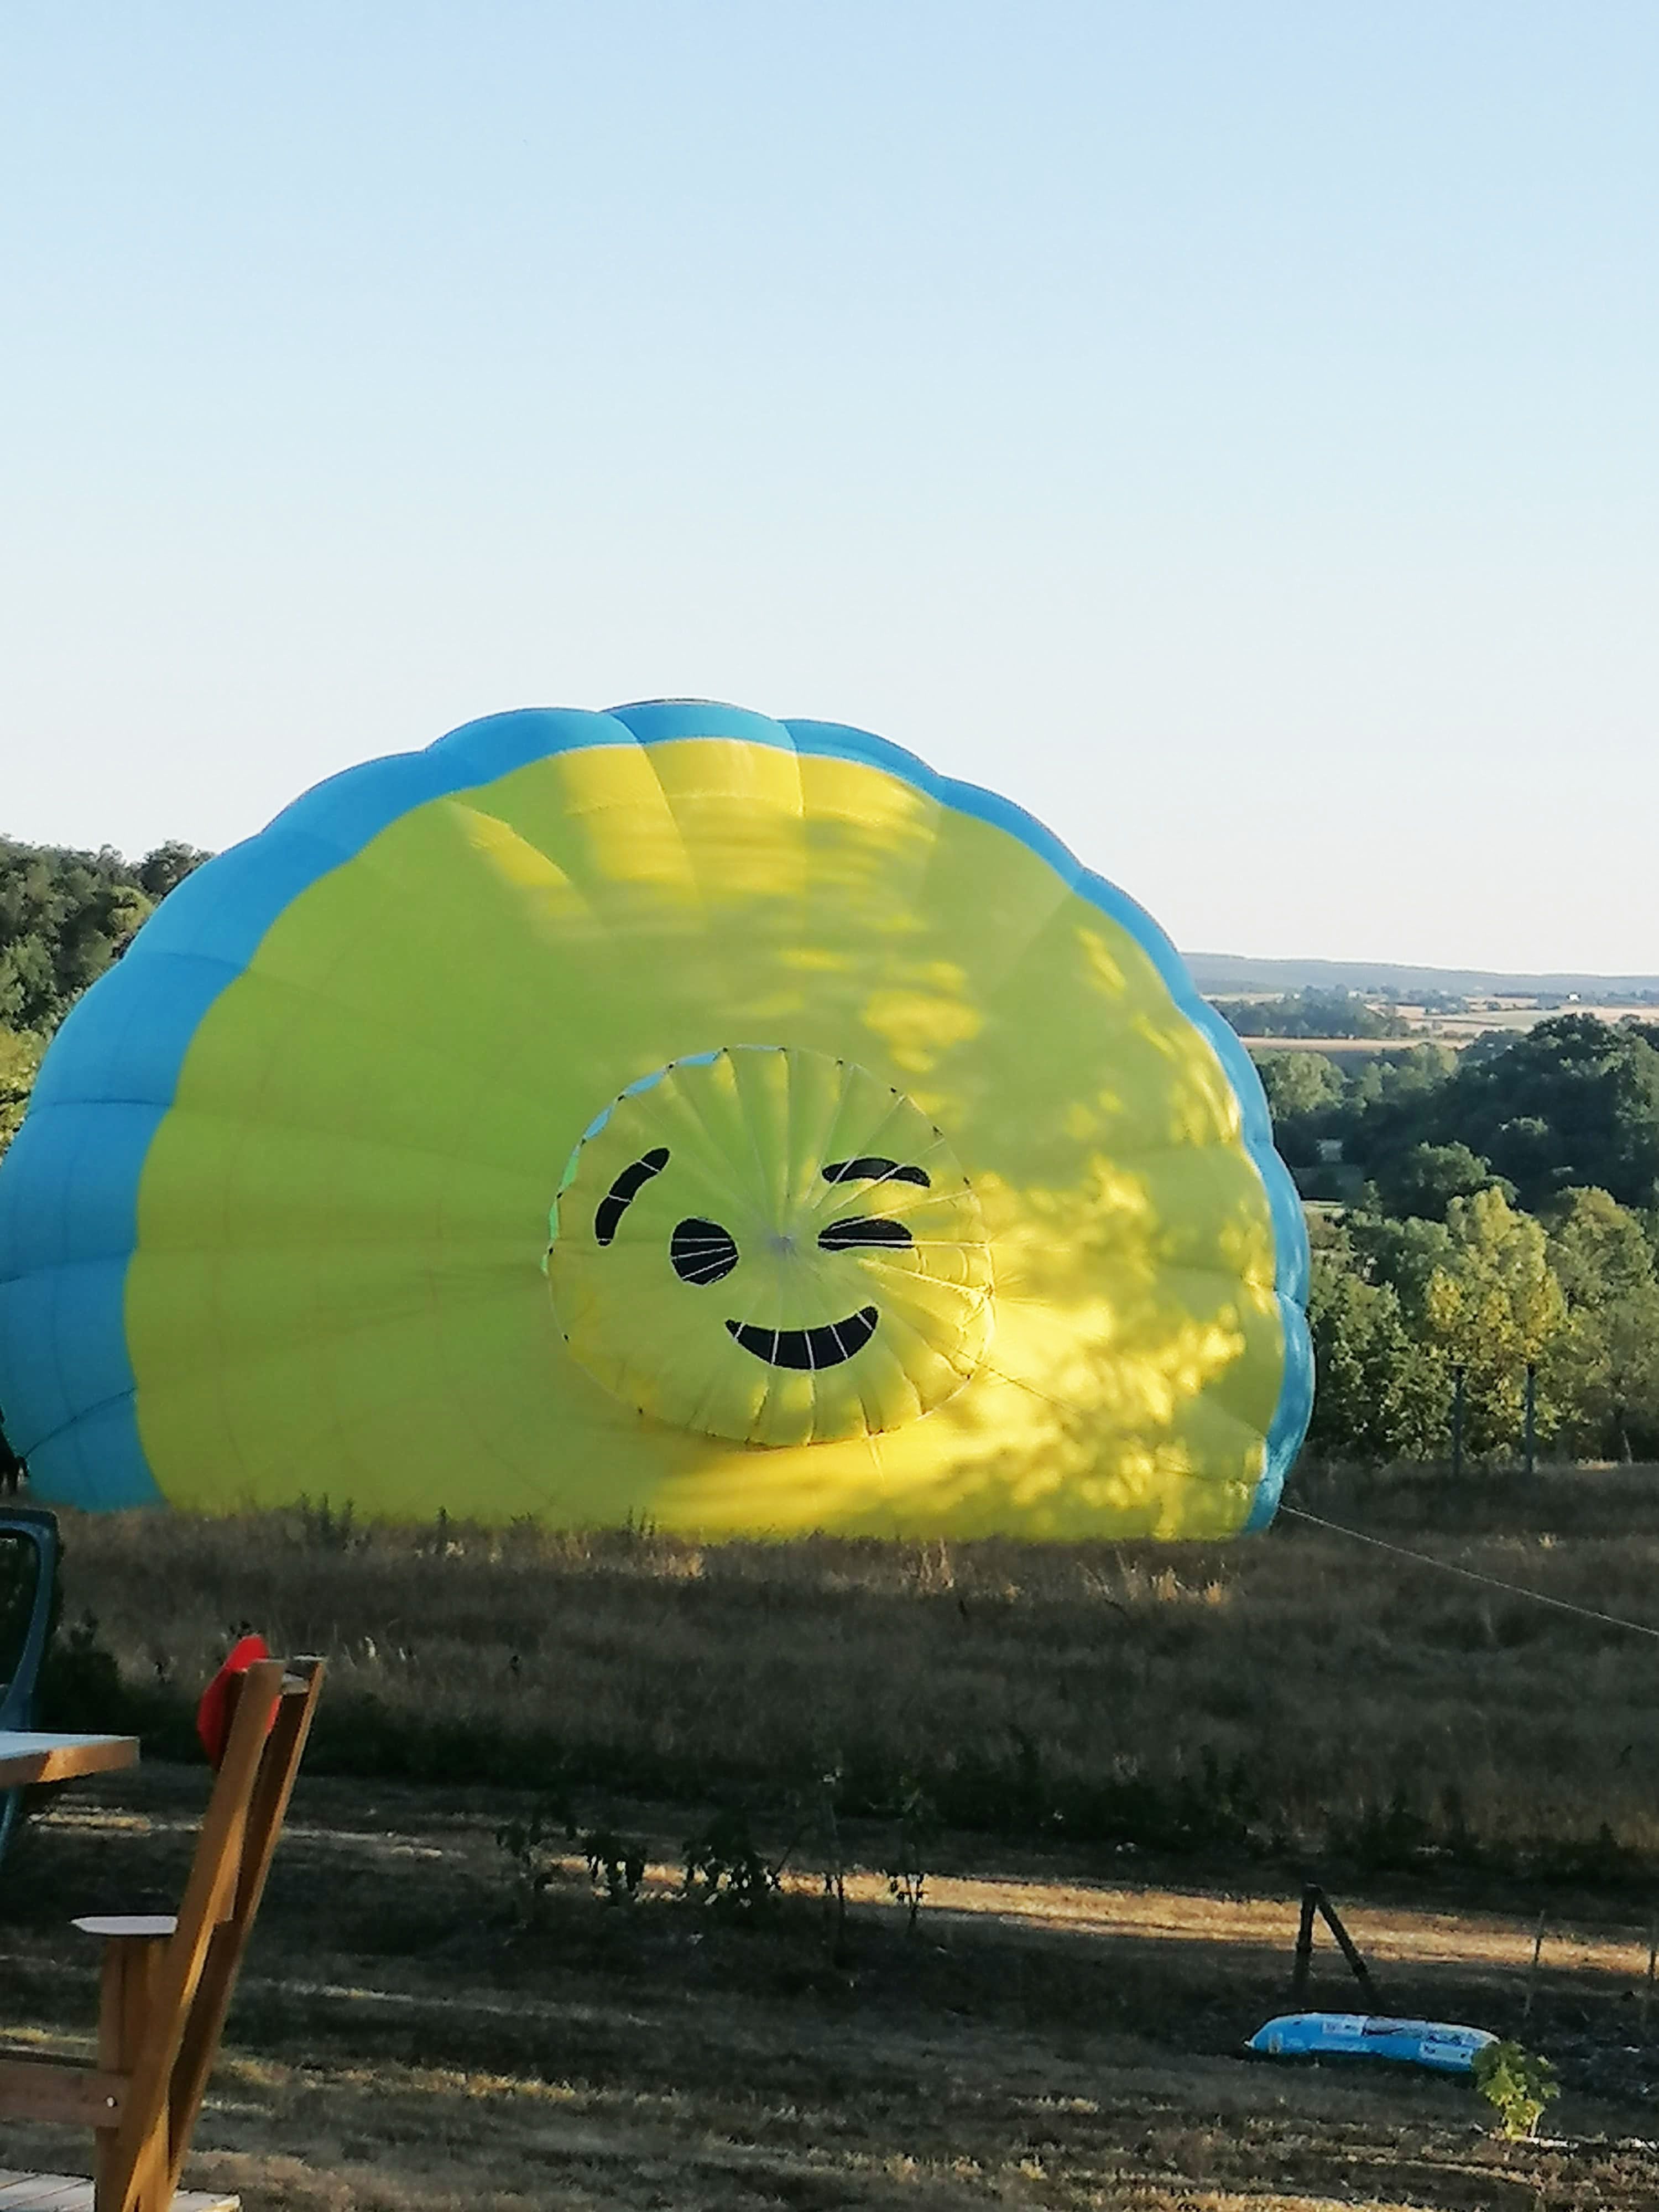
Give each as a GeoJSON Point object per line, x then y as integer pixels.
{"type": "Point", "coordinates": [667, 1113]}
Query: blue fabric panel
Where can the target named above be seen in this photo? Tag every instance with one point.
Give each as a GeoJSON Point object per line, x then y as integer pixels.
{"type": "Point", "coordinates": [662, 721]}
{"type": "Point", "coordinates": [132, 1051]}
{"type": "Point", "coordinates": [481, 751]}
{"type": "Point", "coordinates": [74, 1195]}
{"type": "Point", "coordinates": [97, 1465]}
{"type": "Point", "coordinates": [61, 1359]}
{"type": "Point", "coordinates": [350, 808]}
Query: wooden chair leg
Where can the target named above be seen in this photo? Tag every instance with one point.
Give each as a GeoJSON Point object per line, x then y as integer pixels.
{"type": "Point", "coordinates": [132, 1970]}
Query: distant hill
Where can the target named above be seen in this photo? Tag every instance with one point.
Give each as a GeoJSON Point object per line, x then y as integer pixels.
{"type": "Point", "coordinates": [1216, 972]}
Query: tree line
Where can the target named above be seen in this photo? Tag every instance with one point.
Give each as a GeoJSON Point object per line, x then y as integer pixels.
{"type": "Point", "coordinates": [1486, 1211]}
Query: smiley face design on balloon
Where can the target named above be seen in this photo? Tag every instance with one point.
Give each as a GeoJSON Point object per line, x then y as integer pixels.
{"type": "Point", "coordinates": [770, 1245]}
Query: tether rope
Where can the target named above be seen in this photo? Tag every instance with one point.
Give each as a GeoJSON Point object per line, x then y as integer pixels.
{"type": "Point", "coordinates": [1471, 1575]}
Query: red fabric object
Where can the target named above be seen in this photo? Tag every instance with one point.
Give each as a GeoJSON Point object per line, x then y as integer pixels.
{"type": "Point", "coordinates": [213, 1714]}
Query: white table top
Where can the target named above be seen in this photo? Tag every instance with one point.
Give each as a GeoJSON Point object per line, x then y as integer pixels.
{"type": "Point", "coordinates": [31, 1756]}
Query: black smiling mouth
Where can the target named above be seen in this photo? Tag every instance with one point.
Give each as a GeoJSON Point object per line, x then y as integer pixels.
{"type": "Point", "coordinates": [813, 1348]}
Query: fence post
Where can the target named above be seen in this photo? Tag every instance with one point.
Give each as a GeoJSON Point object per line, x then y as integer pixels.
{"type": "Point", "coordinates": [1532, 1970]}
{"type": "Point", "coordinates": [1314, 1900]}
{"type": "Point", "coordinates": [1532, 1416]}
{"type": "Point", "coordinates": [1457, 1419]}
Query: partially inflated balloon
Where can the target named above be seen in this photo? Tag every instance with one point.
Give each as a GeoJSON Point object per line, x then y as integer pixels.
{"type": "Point", "coordinates": [669, 1113]}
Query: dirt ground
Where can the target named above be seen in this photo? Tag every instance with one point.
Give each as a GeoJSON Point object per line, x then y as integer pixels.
{"type": "Point", "coordinates": [411, 2037]}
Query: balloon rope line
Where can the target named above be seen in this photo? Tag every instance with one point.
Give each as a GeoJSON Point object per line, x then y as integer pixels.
{"type": "Point", "coordinates": [1470, 1575]}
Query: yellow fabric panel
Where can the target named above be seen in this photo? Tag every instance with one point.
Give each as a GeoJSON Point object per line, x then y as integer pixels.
{"type": "Point", "coordinates": [350, 1198]}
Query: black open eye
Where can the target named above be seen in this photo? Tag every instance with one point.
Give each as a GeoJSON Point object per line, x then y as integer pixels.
{"type": "Point", "coordinates": [702, 1251]}
{"type": "Point", "coordinates": [864, 1228]}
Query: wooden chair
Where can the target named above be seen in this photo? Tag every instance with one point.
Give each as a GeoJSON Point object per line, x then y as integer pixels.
{"type": "Point", "coordinates": [167, 1981]}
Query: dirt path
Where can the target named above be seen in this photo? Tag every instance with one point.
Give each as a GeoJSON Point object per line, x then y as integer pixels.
{"type": "Point", "coordinates": [405, 2042]}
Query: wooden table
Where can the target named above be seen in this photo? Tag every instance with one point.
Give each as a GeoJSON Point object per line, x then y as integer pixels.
{"type": "Point", "coordinates": [30, 1756]}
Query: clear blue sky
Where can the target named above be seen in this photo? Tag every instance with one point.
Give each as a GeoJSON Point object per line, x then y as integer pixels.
{"type": "Point", "coordinates": [1231, 430]}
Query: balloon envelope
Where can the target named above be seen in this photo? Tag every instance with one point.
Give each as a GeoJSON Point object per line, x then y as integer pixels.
{"type": "Point", "coordinates": [669, 1113]}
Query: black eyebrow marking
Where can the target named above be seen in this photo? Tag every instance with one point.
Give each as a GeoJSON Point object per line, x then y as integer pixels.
{"type": "Point", "coordinates": [870, 1167]}
{"type": "Point", "coordinates": [625, 1189]}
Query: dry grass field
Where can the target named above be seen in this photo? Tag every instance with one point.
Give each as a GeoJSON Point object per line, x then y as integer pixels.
{"type": "Point", "coordinates": [1133, 1756]}
{"type": "Point", "coordinates": [1296, 1694]}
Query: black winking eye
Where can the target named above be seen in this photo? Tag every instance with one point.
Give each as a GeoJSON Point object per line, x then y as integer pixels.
{"type": "Point", "coordinates": [870, 1167]}
{"type": "Point", "coordinates": [866, 1230]}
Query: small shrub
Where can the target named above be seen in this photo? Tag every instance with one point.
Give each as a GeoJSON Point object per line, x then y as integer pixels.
{"type": "Point", "coordinates": [725, 1859]}
{"type": "Point", "coordinates": [1517, 2084]}
{"type": "Point", "coordinates": [615, 1864]}
{"type": "Point", "coordinates": [915, 1826]}
{"type": "Point", "coordinates": [326, 1527]}
{"type": "Point", "coordinates": [533, 1843]}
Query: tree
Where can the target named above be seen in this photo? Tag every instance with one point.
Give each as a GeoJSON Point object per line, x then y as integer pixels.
{"type": "Point", "coordinates": [1299, 1083]}
{"type": "Point", "coordinates": [1304, 1090]}
{"type": "Point", "coordinates": [1493, 1305]}
{"type": "Point", "coordinates": [166, 868]}
{"type": "Point", "coordinates": [1311, 1014]}
{"type": "Point", "coordinates": [1598, 1248]}
{"type": "Point", "coordinates": [64, 916]}
{"type": "Point", "coordinates": [1604, 1261]}
{"type": "Point", "coordinates": [1425, 1180]}
{"type": "Point", "coordinates": [1573, 1102]}
{"type": "Point", "coordinates": [1404, 1254]}
{"type": "Point", "coordinates": [1379, 1395]}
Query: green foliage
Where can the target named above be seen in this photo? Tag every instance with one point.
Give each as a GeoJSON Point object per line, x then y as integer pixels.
{"type": "Point", "coordinates": [1305, 1094]}
{"type": "Point", "coordinates": [166, 868]}
{"type": "Point", "coordinates": [1604, 1261]}
{"type": "Point", "coordinates": [1493, 1306]}
{"type": "Point", "coordinates": [1383, 1394]}
{"type": "Point", "coordinates": [19, 1063]}
{"type": "Point", "coordinates": [1517, 2084]}
{"type": "Point", "coordinates": [1299, 1084]}
{"type": "Point", "coordinates": [64, 917]}
{"type": "Point", "coordinates": [1600, 1250]}
{"type": "Point", "coordinates": [1423, 1182]}
{"type": "Point", "coordinates": [1573, 1104]}
{"type": "Point", "coordinates": [1311, 1014]}
{"type": "Point", "coordinates": [1404, 1076]}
